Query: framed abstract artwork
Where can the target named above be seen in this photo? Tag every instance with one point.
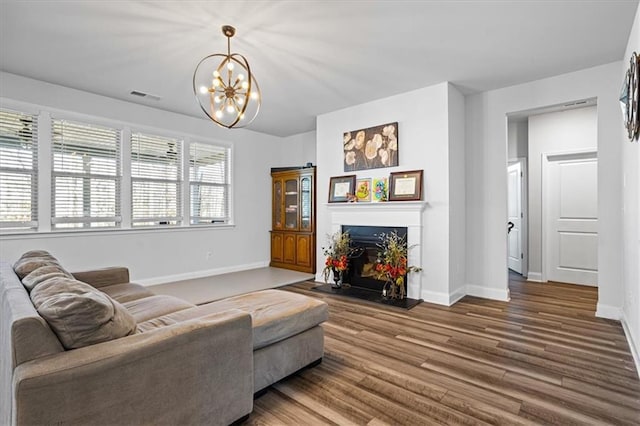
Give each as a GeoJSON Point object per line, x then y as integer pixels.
{"type": "Point", "coordinates": [363, 190]}
{"type": "Point", "coordinates": [379, 189]}
{"type": "Point", "coordinates": [371, 148]}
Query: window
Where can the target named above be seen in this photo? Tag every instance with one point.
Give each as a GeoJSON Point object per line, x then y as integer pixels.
{"type": "Point", "coordinates": [208, 183]}
{"type": "Point", "coordinates": [156, 171]}
{"type": "Point", "coordinates": [18, 171]}
{"type": "Point", "coordinates": [86, 175]}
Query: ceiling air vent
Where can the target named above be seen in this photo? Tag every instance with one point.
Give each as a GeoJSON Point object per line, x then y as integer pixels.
{"type": "Point", "coordinates": [145, 95]}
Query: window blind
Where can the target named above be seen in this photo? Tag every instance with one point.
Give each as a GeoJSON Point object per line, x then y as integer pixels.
{"type": "Point", "coordinates": [86, 175]}
{"type": "Point", "coordinates": [208, 183]}
{"type": "Point", "coordinates": [156, 180]}
{"type": "Point", "coordinates": [18, 170]}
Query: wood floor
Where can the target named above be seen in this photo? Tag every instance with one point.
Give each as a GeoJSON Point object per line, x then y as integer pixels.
{"type": "Point", "coordinates": [542, 358]}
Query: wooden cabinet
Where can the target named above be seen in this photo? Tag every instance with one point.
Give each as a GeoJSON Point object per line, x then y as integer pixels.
{"type": "Point", "coordinates": [293, 219]}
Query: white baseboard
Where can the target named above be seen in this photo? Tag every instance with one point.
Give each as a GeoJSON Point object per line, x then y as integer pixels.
{"type": "Point", "coordinates": [435, 297]}
{"type": "Point", "coordinates": [457, 295]}
{"type": "Point", "coordinates": [501, 294]}
{"type": "Point", "coordinates": [200, 274]}
{"type": "Point", "coordinates": [534, 276]}
{"type": "Point", "coordinates": [635, 350]}
{"type": "Point", "coordinates": [609, 312]}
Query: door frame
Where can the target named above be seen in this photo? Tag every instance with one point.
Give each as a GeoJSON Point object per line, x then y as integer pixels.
{"type": "Point", "coordinates": [524, 208]}
{"type": "Point", "coordinates": [544, 193]}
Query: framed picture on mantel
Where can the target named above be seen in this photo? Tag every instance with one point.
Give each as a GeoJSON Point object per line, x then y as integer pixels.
{"type": "Point", "coordinates": [406, 186]}
{"type": "Point", "coordinates": [341, 188]}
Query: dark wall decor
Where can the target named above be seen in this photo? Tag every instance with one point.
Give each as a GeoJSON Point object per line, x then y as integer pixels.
{"type": "Point", "coordinates": [371, 148]}
{"type": "Point", "coordinates": [629, 98]}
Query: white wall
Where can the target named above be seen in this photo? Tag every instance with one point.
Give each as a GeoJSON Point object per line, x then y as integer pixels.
{"type": "Point", "coordinates": [423, 134]}
{"type": "Point", "coordinates": [631, 219]}
{"type": "Point", "coordinates": [301, 147]}
{"type": "Point", "coordinates": [486, 179]}
{"type": "Point", "coordinates": [160, 255]}
{"type": "Point", "coordinates": [554, 132]}
{"type": "Point", "coordinates": [457, 221]}
{"type": "Point", "coordinates": [518, 139]}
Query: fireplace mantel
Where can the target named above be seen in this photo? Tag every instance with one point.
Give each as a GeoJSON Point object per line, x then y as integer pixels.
{"type": "Point", "coordinates": [382, 206]}
{"type": "Point", "coordinates": [391, 213]}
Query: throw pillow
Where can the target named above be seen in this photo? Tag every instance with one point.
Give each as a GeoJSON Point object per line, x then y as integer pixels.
{"type": "Point", "coordinates": [42, 274]}
{"type": "Point", "coordinates": [79, 314]}
{"type": "Point", "coordinates": [33, 260]}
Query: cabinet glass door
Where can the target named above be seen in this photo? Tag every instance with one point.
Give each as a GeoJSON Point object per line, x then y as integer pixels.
{"type": "Point", "coordinates": [305, 203]}
{"type": "Point", "coordinates": [277, 204]}
{"type": "Point", "coordinates": [291, 204]}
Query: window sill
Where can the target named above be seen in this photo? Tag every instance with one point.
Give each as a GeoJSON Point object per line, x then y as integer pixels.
{"type": "Point", "coordinates": [21, 235]}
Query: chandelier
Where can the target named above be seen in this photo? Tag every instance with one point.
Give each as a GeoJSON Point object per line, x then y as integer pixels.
{"type": "Point", "coordinates": [225, 88]}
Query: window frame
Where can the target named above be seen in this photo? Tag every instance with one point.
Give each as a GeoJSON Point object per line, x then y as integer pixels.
{"type": "Point", "coordinates": [227, 186]}
{"type": "Point", "coordinates": [32, 225]}
{"type": "Point", "coordinates": [180, 181]}
{"type": "Point", "coordinates": [86, 221]}
{"type": "Point", "coordinates": [44, 115]}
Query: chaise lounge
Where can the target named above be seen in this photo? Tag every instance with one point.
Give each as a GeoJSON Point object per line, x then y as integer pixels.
{"type": "Point", "coordinates": [92, 347]}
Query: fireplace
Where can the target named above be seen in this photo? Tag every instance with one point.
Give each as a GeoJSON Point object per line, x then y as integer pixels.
{"type": "Point", "coordinates": [361, 268]}
{"type": "Point", "coordinates": [405, 217]}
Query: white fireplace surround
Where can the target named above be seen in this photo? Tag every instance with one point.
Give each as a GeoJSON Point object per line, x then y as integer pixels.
{"type": "Point", "coordinates": [393, 213]}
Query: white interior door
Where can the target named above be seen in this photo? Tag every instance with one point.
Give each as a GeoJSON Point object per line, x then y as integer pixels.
{"type": "Point", "coordinates": [571, 197]}
{"type": "Point", "coordinates": [514, 252]}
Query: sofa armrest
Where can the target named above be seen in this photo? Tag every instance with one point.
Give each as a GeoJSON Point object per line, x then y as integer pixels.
{"type": "Point", "coordinates": [103, 277]}
{"type": "Point", "coordinates": [195, 372]}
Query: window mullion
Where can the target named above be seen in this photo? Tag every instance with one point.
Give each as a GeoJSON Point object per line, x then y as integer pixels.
{"type": "Point", "coordinates": [44, 172]}
{"type": "Point", "coordinates": [125, 188]}
{"type": "Point", "coordinates": [186, 185]}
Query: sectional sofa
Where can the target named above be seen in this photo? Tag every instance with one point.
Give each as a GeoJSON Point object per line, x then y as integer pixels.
{"type": "Point", "coordinates": [93, 348]}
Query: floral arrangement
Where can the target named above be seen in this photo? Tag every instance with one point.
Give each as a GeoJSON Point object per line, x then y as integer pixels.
{"type": "Point", "coordinates": [391, 265]}
{"type": "Point", "coordinates": [337, 253]}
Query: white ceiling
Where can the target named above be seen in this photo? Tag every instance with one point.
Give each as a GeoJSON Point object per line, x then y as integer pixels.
{"type": "Point", "coordinates": [310, 57]}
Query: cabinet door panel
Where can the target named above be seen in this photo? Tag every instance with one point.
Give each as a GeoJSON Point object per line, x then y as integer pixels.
{"type": "Point", "coordinates": [289, 253]}
{"type": "Point", "coordinates": [303, 250]}
{"type": "Point", "coordinates": [306, 203]}
{"type": "Point", "coordinates": [278, 202]}
{"type": "Point", "coordinates": [277, 247]}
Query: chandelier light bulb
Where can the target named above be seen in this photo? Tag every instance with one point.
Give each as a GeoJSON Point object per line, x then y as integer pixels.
{"type": "Point", "coordinates": [225, 87]}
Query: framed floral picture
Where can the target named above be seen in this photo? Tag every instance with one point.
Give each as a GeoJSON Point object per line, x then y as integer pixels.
{"type": "Point", "coordinates": [363, 190]}
{"type": "Point", "coordinates": [371, 148]}
{"type": "Point", "coordinates": [379, 189]}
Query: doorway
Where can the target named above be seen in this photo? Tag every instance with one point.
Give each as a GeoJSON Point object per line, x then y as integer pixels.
{"type": "Point", "coordinates": [552, 211]}
{"type": "Point", "coordinates": [517, 216]}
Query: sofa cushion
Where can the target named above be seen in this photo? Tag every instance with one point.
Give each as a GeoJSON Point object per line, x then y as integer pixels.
{"type": "Point", "coordinates": [79, 314]}
{"type": "Point", "coordinates": [276, 314]}
{"type": "Point", "coordinates": [155, 306]}
{"type": "Point", "coordinates": [126, 292]}
{"type": "Point", "coordinates": [42, 274]}
{"type": "Point", "coordinates": [32, 260]}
